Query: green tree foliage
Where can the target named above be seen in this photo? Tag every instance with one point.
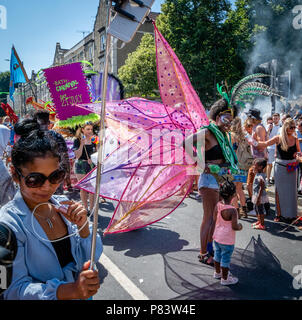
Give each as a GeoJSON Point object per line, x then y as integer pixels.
{"type": "Point", "coordinates": [138, 75]}
{"type": "Point", "coordinates": [4, 81]}
{"type": "Point", "coordinates": [207, 43]}
{"type": "Point", "coordinates": [4, 84]}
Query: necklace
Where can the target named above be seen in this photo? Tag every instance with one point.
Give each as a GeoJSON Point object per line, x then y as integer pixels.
{"type": "Point", "coordinates": [48, 220]}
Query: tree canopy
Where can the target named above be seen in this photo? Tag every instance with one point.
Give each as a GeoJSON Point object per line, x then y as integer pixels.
{"type": "Point", "coordinates": [138, 74]}
{"type": "Point", "coordinates": [4, 84]}
{"type": "Point", "coordinates": [217, 42]}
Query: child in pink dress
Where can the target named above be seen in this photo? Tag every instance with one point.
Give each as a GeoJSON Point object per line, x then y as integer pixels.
{"type": "Point", "coordinates": [226, 225]}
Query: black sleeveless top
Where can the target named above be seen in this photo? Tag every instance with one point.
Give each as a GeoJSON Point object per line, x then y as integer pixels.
{"type": "Point", "coordinates": [214, 153]}
{"type": "Point", "coordinates": [63, 251]}
{"type": "Point", "coordinates": [286, 155]}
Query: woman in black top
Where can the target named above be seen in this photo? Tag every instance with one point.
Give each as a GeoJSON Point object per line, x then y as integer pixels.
{"type": "Point", "coordinates": [208, 187]}
{"type": "Point", "coordinates": [83, 149]}
{"type": "Point", "coordinates": [288, 148]}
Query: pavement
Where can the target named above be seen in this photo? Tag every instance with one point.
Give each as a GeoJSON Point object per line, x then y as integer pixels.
{"type": "Point", "coordinates": [159, 262]}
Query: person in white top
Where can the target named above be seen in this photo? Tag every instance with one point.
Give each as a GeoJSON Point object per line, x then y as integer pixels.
{"type": "Point", "coordinates": [4, 138]}
{"type": "Point", "coordinates": [272, 132]}
{"type": "Point", "coordinates": [7, 187]}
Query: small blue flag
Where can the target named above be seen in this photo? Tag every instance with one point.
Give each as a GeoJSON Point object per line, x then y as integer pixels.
{"type": "Point", "coordinates": [16, 73]}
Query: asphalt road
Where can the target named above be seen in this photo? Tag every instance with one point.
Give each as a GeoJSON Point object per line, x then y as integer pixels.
{"type": "Point", "coordinates": [159, 262]}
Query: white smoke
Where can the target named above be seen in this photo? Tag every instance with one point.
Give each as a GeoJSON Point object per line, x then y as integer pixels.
{"type": "Point", "coordinates": [263, 51]}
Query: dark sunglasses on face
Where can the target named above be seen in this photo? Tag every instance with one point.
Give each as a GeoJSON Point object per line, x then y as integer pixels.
{"type": "Point", "coordinates": [292, 128]}
{"type": "Point", "coordinates": [36, 179]}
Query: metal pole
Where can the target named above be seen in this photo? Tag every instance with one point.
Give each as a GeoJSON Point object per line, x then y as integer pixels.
{"type": "Point", "coordinates": [101, 138]}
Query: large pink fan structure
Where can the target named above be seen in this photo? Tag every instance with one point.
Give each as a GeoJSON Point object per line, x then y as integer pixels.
{"type": "Point", "coordinates": [150, 174]}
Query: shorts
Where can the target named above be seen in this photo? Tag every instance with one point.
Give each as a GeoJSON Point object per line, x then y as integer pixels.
{"type": "Point", "coordinates": [223, 254]}
{"type": "Point", "coordinates": [207, 181]}
{"type": "Point", "coordinates": [83, 167]}
{"type": "Point", "coordinates": [271, 156]}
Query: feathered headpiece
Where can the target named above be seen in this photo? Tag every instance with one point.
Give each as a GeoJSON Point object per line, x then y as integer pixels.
{"type": "Point", "coordinates": [246, 87]}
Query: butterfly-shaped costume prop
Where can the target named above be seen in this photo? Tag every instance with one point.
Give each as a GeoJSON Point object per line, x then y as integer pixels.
{"type": "Point", "coordinates": [149, 174]}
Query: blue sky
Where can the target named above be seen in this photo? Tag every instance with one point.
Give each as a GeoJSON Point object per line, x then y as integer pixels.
{"type": "Point", "coordinates": [35, 26]}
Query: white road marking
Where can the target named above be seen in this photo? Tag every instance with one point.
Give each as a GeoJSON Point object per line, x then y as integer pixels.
{"type": "Point", "coordinates": [122, 279]}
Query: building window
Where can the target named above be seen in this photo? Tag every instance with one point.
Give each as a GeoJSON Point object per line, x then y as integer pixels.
{"type": "Point", "coordinates": [103, 42]}
{"type": "Point", "coordinates": [90, 53]}
{"type": "Point", "coordinates": [81, 56]}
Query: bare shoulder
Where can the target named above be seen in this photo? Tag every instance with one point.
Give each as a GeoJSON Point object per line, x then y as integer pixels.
{"type": "Point", "coordinates": [227, 214]}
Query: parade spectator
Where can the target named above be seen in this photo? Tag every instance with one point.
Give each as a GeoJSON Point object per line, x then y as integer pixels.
{"type": "Point", "coordinates": [299, 136]}
{"type": "Point", "coordinates": [272, 131]}
{"type": "Point", "coordinates": [7, 186]}
{"type": "Point", "coordinates": [42, 117]}
{"type": "Point", "coordinates": [259, 134]}
{"type": "Point", "coordinates": [83, 149]}
{"type": "Point", "coordinates": [245, 160]}
{"type": "Point", "coordinates": [4, 138]}
{"type": "Point", "coordinates": [226, 225]}
{"type": "Point", "coordinates": [49, 264]}
{"type": "Point", "coordinates": [260, 197]}
{"type": "Point", "coordinates": [221, 116]}
{"type": "Point", "coordinates": [288, 148]}
{"type": "Point", "coordinates": [269, 123]}
{"type": "Point", "coordinates": [285, 117]}
{"type": "Point", "coordinates": [248, 127]}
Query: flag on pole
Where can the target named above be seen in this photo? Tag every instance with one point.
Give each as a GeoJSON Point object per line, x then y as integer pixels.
{"type": "Point", "coordinates": [17, 72]}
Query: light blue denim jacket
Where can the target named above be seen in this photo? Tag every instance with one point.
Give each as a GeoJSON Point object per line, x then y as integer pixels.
{"type": "Point", "coordinates": [37, 272]}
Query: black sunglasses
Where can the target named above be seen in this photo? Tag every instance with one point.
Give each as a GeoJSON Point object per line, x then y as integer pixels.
{"type": "Point", "coordinates": [36, 180]}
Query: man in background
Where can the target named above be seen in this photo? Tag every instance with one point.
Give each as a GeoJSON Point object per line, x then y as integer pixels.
{"type": "Point", "coordinates": [272, 131]}
{"type": "Point", "coordinates": [7, 186]}
{"type": "Point", "coordinates": [258, 134]}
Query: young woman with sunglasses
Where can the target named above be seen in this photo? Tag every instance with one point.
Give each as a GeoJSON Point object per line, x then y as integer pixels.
{"type": "Point", "coordinates": [83, 149]}
{"type": "Point", "coordinates": [221, 118]}
{"type": "Point", "coordinates": [288, 149]}
{"type": "Point", "coordinates": [54, 243]}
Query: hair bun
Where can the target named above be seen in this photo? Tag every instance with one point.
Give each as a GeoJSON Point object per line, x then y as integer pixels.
{"type": "Point", "coordinates": [25, 127]}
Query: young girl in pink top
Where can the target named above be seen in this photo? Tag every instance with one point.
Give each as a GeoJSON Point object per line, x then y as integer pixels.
{"type": "Point", "coordinates": [226, 225]}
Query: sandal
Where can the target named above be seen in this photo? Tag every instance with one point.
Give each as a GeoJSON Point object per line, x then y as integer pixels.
{"type": "Point", "coordinates": [259, 227]}
{"type": "Point", "coordinates": [203, 258]}
{"type": "Point", "coordinates": [255, 224]}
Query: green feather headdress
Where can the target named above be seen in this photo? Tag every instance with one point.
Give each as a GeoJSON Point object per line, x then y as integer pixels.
{"type": "Point", "coordinates": [246, 88]}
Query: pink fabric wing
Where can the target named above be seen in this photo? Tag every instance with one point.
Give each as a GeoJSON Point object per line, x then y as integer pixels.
{"type": "Point", "coordinates": [175, 87]}
{"type": "Point", "coordinates": [149, 174]}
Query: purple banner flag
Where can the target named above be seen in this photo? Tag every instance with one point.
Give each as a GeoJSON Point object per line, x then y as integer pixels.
{"type": "Point", "coordinates": [68, 87]}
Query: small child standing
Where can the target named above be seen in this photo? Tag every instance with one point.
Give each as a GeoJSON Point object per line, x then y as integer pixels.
{"type": "Point", "coordinates": [226, 223]}
{"type": "Point", "coordinates": [260, 197]}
